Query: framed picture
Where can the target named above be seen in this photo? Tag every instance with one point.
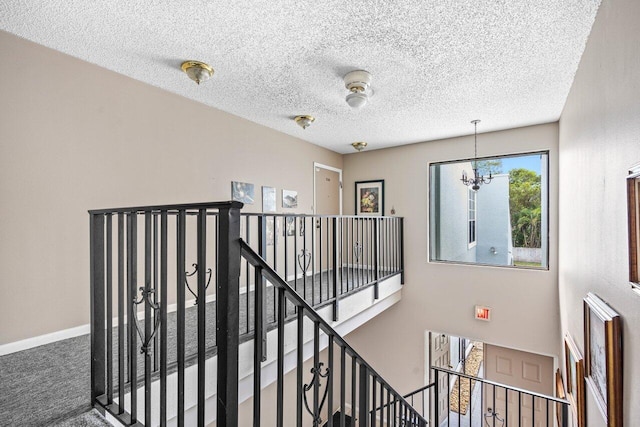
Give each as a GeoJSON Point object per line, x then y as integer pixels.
{"type": "Point", "coordinates": [289, 199]}
{"type": "Point", "coordinates": [560, 395]}
{"type": "Point", "coordinates": [370, 198]}
{"type": "Point", "coordinates": [574, 365]}
{"type": "Point", "coordinates": [603, 357]}
{"type": "Point", "coordinates": [242, 192]}
{"type": "Point", "coordinates": [268, 199]}
{"type": "Point", "coordinates": [290, 226]}
{"type": "Point", "coordinates": [633, 208]}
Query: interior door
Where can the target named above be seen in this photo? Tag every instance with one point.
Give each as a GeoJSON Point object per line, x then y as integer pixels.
{"type": "Point", "coordinates": [327, 201]}
{"type": "Point", "coordinates": [441, 358]}
{"type": "Point", "coordinates": [523, 370]}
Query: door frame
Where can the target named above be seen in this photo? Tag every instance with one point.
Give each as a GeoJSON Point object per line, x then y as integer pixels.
{"type": "Point", "coordinates": [333, 169]}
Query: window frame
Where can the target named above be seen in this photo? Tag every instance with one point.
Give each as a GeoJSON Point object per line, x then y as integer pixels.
{"type": "Point", "coordinates": [433, 232]}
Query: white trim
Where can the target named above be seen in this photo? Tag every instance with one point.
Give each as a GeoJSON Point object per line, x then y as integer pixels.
{"type": "Point", "coordinates": [331, 168]}
{"type": "Point", "coordinates": [28, 343]}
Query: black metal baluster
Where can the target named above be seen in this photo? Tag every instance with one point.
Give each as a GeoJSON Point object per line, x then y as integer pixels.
{"type": "Point", "coordinates": [401, 248]}
{"type": "Point", "coordinates": [109, 313]}
{"type": "Point", "coordinates": [316, 365]}
{"type": "Point", "coordinates": [295, 254]}
{"type": "Point", "coordinates": [121, 309]}
{"type": "Point", "coordinates": [180, 313]}
{"type": "Point", "coordinates": [374, 381]}
{"type": "Point", "coordinates": [363, 404]}
{"type": "Point", "coordinates": [533, 410]}
{"type": "Point", "coordinates": [299, 366]}
{"type": "Point", "coordinates": [389, 407]}
{"type": "Point", "coordinates": [96, 238]}
{"type": "Point", "coordinates": [202, 322]}
{"type": "Point", "coordinates": [330, 382]}
{"type": "Point", "coordinates": [147, 317]}
{"type": "Point", "coordinates": [304, 249]}
{"type": "Point", "coordinates": [247, 275]}
{"type": "Point", "coordinates": [275, 245]}
{"type": "Point", "coordinates": [155, 294]}
{"type": "Point", "coordinates": [282, 312]}
{"type": "Point", "coordinates": [334, 235]}
{"type": "Point", "coordinates": [164, 298]}
{"type": "Point", "coordinates": [320, 255]}
{"type": "Point", "coordinates": [459, 379]}
{"type": "Point", "coordinates": [132, 255]}
{"type": "Point", "coordinates": [343, 380]}
{"type": "Point", "coordinates": [376, 258]}
{"type": "Point", "coordinates": [354, 403]}
{"type": "Point", "coordinates": [313, 262]}
{"type": "Point", "coordinates": [519, 408]}
{"type": "Point", "coordinates": [258, 344]}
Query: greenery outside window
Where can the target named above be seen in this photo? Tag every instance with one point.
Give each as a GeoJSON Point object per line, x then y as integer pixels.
{"type": "Point", "coordinates": [503, 223]}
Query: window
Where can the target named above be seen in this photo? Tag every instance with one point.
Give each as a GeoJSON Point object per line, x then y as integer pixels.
{"type": "Point", "coordinates": [633, 206]}
{"type": "Point", "coordinates": [503, 222]}
{"type": "Point", "coordinates": [472, 219]}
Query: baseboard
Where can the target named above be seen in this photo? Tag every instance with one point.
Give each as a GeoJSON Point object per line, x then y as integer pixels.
{"type": "Point", "coordinates": [52, 337]}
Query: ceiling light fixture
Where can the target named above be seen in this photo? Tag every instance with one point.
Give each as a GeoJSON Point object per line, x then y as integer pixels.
{"type": "Point", "coordinates": [477, 179]}
{"type": "Point", "coordinates": [197, 71]}
{"type": "Point", "coordinates": [357, 82]}
{"type": "Point", "coordinates": [360, 145]}
{"type": "Point", "coordinates": [304, 121]}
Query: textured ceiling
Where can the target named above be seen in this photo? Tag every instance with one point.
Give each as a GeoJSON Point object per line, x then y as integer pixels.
{"type": "Point", "coordinates": [436, 64]}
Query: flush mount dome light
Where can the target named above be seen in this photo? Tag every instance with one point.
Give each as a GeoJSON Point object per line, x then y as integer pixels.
{"type": "Point", "coordinates": [359, 146]}
{"type": "Point", "coordinates": [304, 121]}
{"type": "Point", "coordinates": [357, 82]}
{"type": "Point", "coordinates": [197, 71]}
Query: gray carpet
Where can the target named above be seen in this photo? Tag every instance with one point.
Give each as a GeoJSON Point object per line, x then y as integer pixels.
{"type": "Point", "coordinates": [51, 383]}
{"type": "Point", "coordinates": [88, 419]}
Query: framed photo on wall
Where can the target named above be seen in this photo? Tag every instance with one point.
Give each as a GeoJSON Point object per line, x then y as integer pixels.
{"type": "Point", "coordinates": [603, 357]}
{"type": "Point", "coordinates": [370, 197]}
{"type": "Point", "coordinates": [574, 365]}
{"type": "Point", "coordinates": [560, 394]}
{"type": "Point", "coordinates": [633, 208]}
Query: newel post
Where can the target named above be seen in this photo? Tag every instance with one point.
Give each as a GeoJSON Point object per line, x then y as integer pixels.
{"type": "Point", "coordinates": [228, 323]}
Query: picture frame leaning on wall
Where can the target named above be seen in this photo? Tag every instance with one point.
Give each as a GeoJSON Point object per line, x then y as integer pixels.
{"type": "Point", "coordinates": [603, 357]}
{"type": "Point", "coordinates": [574, 367]}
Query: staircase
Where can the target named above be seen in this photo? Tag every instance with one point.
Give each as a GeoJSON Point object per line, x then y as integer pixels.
{"type": "Point", "coordinates": [262, 345]}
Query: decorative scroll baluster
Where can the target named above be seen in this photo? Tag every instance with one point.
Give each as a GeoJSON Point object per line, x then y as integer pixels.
{"type": "Point", "coordinates": [357, 251]}
{"type": "Point", "coordinates": [304, 260]}
{"type": "Point", "coordinates": [146, 298]}
{"type": "Point", "coordinates": [186, 281]}
{"type": "Point", "coordinates": [317, 377]}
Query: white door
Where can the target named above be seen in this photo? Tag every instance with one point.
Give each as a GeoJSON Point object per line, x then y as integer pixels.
{"type": "Point", "coordinates": [440, 355]}
{"type": "Point", "coordinates": [523, 370]}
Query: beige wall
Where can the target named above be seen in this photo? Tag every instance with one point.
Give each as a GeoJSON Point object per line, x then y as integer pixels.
{"type": "Point", "coordinates": [599, 141]}
{"type": "Point", "coordinates": [439, 296]}
{"type": "Point", "coordinates": [74, 137]}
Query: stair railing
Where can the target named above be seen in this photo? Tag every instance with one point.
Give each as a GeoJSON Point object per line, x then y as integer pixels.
{"type": "Point", "coordinates": [143, 329]}
{"type": "Point", "coordinates": [489, 403]}
{"type": "Point", "coordinates": [365, 390]}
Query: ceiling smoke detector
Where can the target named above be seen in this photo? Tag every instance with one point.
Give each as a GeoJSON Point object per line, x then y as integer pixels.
{"type": "Point", "coordinates": [358, 82]}
{"type": "Point", "coordinates": [197, 71]}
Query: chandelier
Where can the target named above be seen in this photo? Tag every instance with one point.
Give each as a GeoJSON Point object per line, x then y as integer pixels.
{"type": "Point", "coordinates": [477, 179]}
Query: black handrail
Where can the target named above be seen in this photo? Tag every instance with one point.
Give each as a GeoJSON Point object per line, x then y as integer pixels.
{"type": "Point", "coordinates": [303, 307]}
{"type": "Point", "coordinates": [133, 353]}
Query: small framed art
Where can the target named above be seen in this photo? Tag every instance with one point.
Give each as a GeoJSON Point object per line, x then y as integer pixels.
{"type": "Point", "coordinates": [603, 357]}
{"type": "Point", "coordinates": [370, 197]}
{"type": "Point", "coordinates": [574, 365]}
